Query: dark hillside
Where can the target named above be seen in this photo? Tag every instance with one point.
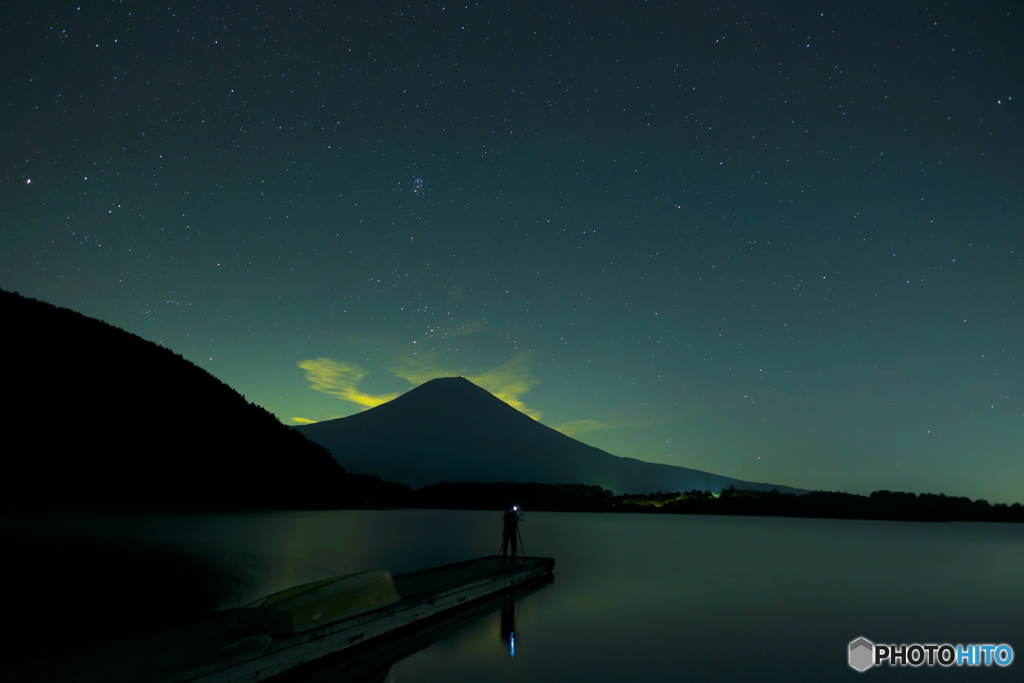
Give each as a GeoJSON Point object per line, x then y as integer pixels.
{"type": "Point", "coordinates": [94, 412]}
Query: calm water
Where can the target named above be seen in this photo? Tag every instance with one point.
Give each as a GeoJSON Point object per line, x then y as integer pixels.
{"type": "Point", "coordinates": [635, 596]}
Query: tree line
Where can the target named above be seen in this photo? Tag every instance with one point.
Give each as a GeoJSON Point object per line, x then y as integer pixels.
{"type": "Point", "coordinates": [880, 505]}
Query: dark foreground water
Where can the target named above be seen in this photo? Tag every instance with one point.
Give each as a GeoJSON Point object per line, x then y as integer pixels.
{"type": "Point", "coordinates": [635, 596]}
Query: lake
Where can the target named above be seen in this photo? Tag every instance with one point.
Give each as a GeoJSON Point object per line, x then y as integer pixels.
{"type": "Point", "coordinates": [635, 596]}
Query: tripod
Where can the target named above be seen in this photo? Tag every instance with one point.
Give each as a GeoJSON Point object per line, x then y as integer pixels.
{"type": "Point", "coordinates": [521, 550]}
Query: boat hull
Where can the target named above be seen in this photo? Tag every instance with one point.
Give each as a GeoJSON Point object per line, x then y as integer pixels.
{"type": "Point", "coordinates": [314, 604]}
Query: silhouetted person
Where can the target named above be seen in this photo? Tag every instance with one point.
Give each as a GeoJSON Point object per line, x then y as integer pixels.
{"type": "Point", "coordinates": [508, 534]}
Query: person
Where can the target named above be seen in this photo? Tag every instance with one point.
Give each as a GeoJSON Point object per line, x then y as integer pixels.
{"type": "Point", "coordinates": [509, 530]}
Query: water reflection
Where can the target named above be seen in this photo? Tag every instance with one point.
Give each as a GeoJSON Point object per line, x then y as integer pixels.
{"type": "Point", "coordinates": [638, 596]}
{"type": "Point", "coordinates": [508, 626]}
{"type": "Point", "coordinates": [373, 662]}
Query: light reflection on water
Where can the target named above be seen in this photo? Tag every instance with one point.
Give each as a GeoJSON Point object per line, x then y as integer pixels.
{"type": "Point", "coordinates": [635, 596]}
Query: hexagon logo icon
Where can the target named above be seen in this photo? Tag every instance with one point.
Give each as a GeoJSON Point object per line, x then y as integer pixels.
{"type": "Point", "coordinates": [862, 654]}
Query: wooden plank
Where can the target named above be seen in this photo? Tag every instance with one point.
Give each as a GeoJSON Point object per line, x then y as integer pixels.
{"type": "Point", "coordinates": [372, 661]}
{"type": "Point", "coordinates": [207, 651]}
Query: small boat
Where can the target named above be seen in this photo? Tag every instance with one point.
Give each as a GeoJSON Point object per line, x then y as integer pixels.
{"type": "Point", "coordinates": [317, 603]}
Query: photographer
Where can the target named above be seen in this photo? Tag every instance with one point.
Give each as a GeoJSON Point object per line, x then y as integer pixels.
{"type": "Point", "coordinates": [510, 532]}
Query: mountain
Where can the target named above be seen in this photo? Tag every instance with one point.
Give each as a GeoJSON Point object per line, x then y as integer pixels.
{"type": "Point", "coordinates": [449, 429]}
{"type": "Point", "coordinates": [94, 412]}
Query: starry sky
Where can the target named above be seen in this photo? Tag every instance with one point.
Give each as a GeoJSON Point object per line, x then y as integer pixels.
{"type": "Point", "coordinates": [779, 241]}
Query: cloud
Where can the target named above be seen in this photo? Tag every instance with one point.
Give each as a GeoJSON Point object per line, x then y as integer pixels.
{"type": "Point", "coordinates": [578, 427]}
{"type": "Point", "coordinates": [339, 379]}
{"type": "Point", "coordinates": [508, 382]}
{"type": "Point", "coordinates": [471, 327]}
{"type": "Point", "coordinates": [421, 368]}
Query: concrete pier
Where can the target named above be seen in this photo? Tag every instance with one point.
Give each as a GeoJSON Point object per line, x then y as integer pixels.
{"type": "Point", "coordinates": [207, 651]}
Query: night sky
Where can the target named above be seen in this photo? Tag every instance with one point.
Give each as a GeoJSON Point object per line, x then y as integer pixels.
{"type": "Point", "coordinates": [779, 241]}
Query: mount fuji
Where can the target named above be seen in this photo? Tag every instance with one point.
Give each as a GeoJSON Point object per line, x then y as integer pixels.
{"type": "Point", "coordinates": [449, 429]}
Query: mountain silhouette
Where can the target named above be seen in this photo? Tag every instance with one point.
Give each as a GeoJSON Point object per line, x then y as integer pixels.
{"type": "Point", "coordinates": [449, 429]}
{"type": "Point", "coordinates": [96, 413]}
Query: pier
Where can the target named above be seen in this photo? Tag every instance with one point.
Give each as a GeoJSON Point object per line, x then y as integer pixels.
{"type": "Point", "coordinates": [207, 650]}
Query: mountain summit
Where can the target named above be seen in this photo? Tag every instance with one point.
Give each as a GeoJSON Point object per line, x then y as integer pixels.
{"type": "Point", "coordinates": [440, 401]}
{"type": "Point", "coordinates": [449, 429]}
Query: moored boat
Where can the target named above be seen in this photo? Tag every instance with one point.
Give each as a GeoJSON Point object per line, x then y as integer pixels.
{"type": "Point", "coordinates": [320, 602]}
